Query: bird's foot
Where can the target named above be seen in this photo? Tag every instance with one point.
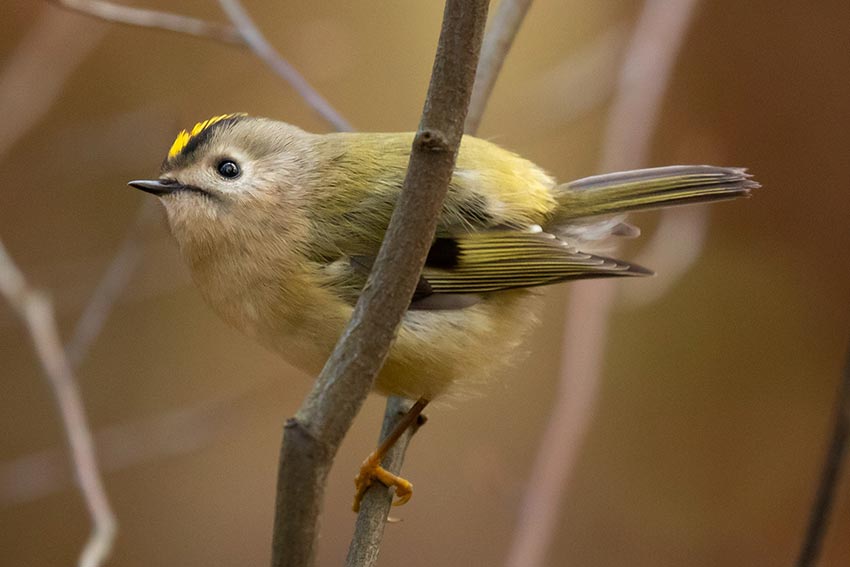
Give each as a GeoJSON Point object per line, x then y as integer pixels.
{"type": "Point", "coordinates": [370, 471]}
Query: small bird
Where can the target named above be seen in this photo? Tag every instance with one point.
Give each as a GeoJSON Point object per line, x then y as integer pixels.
{"type": "Point", "coordinates": [280, 228]}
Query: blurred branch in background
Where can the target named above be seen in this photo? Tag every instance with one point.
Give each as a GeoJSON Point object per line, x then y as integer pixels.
{"type": "Point", "coordinates": [35, 310]}
{"type": "Point", "coordinates": [129, 444]}
{"type": "Point", "coordinates": [112, 284]}
{"type": "Point", "coordinates": [312, 438]}
{"type": "Point", "coordinates": [243, 32]}
{"type": "Point", "coordinates": [580, 83]}
{"type": "Point", "coordinates": [141, 17]}
{"type": "Point", "coordinates": [257, 42]}
{"type": "Point", "coordinates": [500, 35]}
{"type": "Point", "coordinates": [61, 44]}
{"type": "Point", "coordinates": [643, 80]}
{"type": "Point", "coordinates": [830, 475]}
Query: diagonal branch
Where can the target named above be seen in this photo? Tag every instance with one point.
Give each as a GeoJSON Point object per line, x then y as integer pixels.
{"type": "Point", "coordinates": [243, 33]}
{"type": "Point", "coordinates": [313, 436]}
{"type": "Point", "coordinates": [497, 42]}
{"type": "Point", "coordinates": [35, 309]}
{"type": "Point", "coordinates": [830, 475]}
{"type": "Point", "coordinates": [112, 284]}
{"type": "Point", "coordinates": [153, 19]}
{"type": "Point", "coordinates": [257, 42]}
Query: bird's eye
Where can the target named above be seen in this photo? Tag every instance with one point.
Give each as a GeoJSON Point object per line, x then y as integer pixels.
{"type": "Point", "coordinates": [228, 168]}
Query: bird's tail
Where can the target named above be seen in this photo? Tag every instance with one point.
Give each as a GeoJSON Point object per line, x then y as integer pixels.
{"type": "Point", "coordinates": [649, 189]}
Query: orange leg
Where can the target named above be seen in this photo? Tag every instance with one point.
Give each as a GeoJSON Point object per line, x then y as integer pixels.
{"type": "Point", "coordinates": [372, 470]}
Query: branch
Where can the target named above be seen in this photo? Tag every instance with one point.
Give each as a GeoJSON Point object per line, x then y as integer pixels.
{"type": "Point", "coordinates": [644, 76]}
{"type": "Point", "coordinates": [821, 507]}
{"type": "Point", "coordinates": [375, 507]}
{"type": "Point", "coordinates": [376, 504]}
{"type": "Point", "coordinates": [35, 310]}
{"type": "Point", "coordinates": [243, 33]}
{"type": "Point", "coordinates": [255, 40]}
{"type": "Point", "coordinates": [110, 287]}
{"type": "Point", "coordinates": [497, 42]}
{"type": "Point", "coordinates": [153, 19]}
{"type": "Point", "coordinates": [312, 437]}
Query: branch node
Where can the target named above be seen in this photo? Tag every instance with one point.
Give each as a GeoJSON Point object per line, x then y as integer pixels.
{"type": "Point", "coordinates": [432, 140]}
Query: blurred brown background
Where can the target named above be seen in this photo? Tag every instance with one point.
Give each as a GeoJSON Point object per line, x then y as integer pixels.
{"type": "Point", "coordinates": [717, 398]}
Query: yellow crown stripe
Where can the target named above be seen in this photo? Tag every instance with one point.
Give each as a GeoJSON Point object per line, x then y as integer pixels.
{"type": "Point", "coordinates": [184, 136]}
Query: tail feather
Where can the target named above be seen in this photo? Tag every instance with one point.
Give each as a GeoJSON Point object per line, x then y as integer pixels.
{"type": "Point", "coordinates": [650, 189]}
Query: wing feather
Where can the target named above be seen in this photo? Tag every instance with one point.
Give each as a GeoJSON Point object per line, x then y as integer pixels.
{"type": "Point", "coordinates": [493, 261]}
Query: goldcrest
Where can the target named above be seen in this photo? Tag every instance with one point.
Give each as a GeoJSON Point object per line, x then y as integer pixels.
{"type": "Point", "coordinates": [280, 228]}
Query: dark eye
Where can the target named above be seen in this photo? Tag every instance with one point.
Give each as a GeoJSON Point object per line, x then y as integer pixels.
{"type": "Point", "coordinates": [228, 168]}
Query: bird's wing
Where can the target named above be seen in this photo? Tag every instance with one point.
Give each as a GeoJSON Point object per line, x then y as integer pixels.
{"type": "Point", "coordinates": [494, 261]}
{"type": "Point", "coordinates": [459, 269]}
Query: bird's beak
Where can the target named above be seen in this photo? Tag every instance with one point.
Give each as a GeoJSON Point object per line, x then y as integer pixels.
{"type": "Point", "coordinates": [157, 186]}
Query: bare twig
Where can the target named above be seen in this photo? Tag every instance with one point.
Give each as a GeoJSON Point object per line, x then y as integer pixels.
{"type": "Point", "coordinates": [153, 19]}
{"type": "Point", "coordinates": [112, 284]}
{"type": "Point", "coordinates": [242, 33]}
{"type": "Point", "coordinates": [821, 507]}
{"type": "Point", "coordinates": [257, 42]}
{"type": "Point", "coordinates": [35, 310]}
{"type": "Point", "coordinates": [312, 437]}
{"type": "Point", "coordinates": [369, 529]}
{"type": "Point", "coordinates": [123, 445]}
{"type": "Point", "coordinates": [497, 42]}
{"type": "Point", "coordinates": [645, 74]}
{"type": "Point", "coordinates": [53, 41]}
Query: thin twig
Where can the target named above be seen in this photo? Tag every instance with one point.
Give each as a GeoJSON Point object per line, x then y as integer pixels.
{"type": "Point", "coordinates": [243, 33]}
{"type": "Point", "coordinates": [257, 42]}
{"type": "Point", "coordinates": [64, 44]}
{"type": "Point", "coordinates": [821, 507]}
{"type": "Point", "coordinates": [644, 76]}
{"type": "Point", "coordinates": [112, 284]}
{"type": "Point", "coordinates": [153, 19]}
{"type": "Point", "coordinates": [497, 42]}
{"type": "Point", "coordinates": [312, 437]}
{"type": "Point", "coordinates": [131, 443]}
{"type": "Point", "coordinates": [36, 311]}
{"type": "Point", "coordinates": [376, 504]}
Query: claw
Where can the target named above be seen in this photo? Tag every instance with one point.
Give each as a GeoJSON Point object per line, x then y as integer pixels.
{"type": "Point", "coordinates": [371, 471]}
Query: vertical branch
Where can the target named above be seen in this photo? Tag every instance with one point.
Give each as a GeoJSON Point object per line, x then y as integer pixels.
{"type": "Point", "coordinates": [497, 42]}
{"type": "Point", "coordinates": [376, 504]}
{"type": "Point", "coordinates": [35, 310]}
{"type": "Point", "coordinates": [312, 438]}
{"type": "Point", "coordinates": [821, 507]}
{"type": "Point", "coordinates": [643, 80]}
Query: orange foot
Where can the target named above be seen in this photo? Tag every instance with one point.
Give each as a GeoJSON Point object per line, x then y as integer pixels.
{"type": "Point", "coordinates": [370, 471]}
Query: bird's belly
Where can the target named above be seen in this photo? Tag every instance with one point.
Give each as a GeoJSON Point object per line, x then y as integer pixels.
{"type": "Point", "coordinates": [437, 352]}
{"type": "Point", "coordinates": [454, 352]}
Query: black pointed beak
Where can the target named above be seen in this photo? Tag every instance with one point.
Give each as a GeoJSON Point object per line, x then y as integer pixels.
{"type": "Point", "coordinates": [156, 186]}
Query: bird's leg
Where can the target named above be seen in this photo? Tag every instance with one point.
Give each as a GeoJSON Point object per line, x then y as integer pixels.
{"type": "Point", "coordinates": [371, 468]}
